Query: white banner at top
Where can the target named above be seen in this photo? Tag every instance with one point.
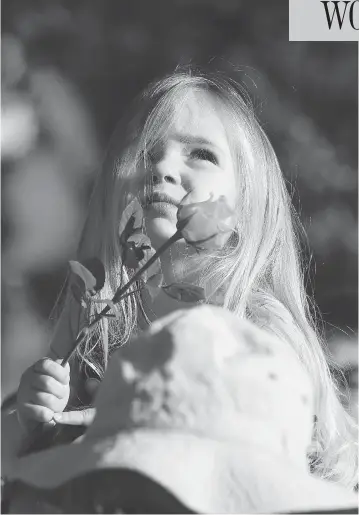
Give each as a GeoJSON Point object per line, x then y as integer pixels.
{"type": "Point", "coordinates": [321, 20]}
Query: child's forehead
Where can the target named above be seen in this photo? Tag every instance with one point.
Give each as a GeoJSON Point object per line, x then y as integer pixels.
{"type": "Point", "coordinates": [199, 114]}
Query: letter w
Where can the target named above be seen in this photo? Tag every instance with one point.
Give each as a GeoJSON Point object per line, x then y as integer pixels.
{"type": "Point", "coordinates": [336, 12]}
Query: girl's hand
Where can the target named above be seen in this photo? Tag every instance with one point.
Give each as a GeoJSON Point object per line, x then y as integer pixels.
{"type": "Point", "coordinates": [83, 417]}
{"type": "Point", "coordinates": [44, 390]}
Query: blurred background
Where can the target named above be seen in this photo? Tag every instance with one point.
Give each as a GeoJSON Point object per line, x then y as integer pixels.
{"type": "Point", "coordinates": [68, 70]}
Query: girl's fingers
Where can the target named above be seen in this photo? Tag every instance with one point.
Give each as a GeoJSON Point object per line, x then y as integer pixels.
{"type": "Point", "coordinates": [35, 412]}
{"type": "Point", "coordinates": [53, 369]}
{"type": "Point", "coordinates": [76, 418]}
{"type": "Point", "coordinates": [47, 400]}
{"type": "Point", "coordinates": [48, 384]}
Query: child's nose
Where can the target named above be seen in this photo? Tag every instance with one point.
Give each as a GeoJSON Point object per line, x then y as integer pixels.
{"type": "Point", "coordinates": [167, 170]}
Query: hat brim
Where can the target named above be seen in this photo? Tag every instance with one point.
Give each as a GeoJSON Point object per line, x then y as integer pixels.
{"type": "Point", "coordinates": [206, 475]}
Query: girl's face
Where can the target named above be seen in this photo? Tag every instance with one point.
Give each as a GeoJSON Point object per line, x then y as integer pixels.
{"type": "Point", "coordinates": [193, 157]}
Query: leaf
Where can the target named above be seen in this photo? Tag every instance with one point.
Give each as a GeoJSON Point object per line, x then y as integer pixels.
{"type": "Point", "coordinates": [95, 266]}
{"type": "Point", "coordinates": [135, 257]}
{"type": "Point", "coordinates": [153, 285]}
{"type": "Point", "coordinates": [77, 292]}
{"type": "Point", "coordinates": [131, 220]}
{"type": "Point", "coordinates": [155, 280]}
{"type": "Point", "coordinates": [88, 279]}
{"type": "Point", "coordinates": [185, 292]}
{"type": "Point", "coordinates": [132, 256]}
{"type": "Point", "coordinates": [137, 250]}
{"type": "Point", "coordinates": [140, 240]}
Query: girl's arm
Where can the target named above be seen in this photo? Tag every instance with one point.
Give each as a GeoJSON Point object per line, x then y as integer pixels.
{"type": "Point", "coordinates": [44, 388]}
{"type": "Point", "coordinates": [43, 391]}
{"type": "Point", "coordinates": [12, 438]}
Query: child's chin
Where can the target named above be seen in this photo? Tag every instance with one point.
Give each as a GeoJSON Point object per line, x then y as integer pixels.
{"type": "Point", "coordinates": [159, 229]}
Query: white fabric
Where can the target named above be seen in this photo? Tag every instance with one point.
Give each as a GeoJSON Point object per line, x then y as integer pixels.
{"type": "Point", "coordinates": [213, 408]}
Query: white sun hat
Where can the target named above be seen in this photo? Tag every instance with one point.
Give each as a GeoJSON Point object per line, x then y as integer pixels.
{"type": "Point", "coordinates": [211, 407]}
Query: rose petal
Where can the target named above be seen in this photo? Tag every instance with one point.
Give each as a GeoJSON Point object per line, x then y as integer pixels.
{"type": "Point", "coordinates": [200, 222]}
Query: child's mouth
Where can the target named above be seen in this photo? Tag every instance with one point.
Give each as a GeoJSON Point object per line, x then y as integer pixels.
{"type": "Point", "coordinates": [159, 200]}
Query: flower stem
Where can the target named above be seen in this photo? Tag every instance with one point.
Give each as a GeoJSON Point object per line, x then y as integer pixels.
{"type": "Point", "coordinates": [121, 291]}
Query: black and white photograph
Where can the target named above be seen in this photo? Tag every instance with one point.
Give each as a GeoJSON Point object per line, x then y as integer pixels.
{"type": "Point", "coordinates": [179, 259]}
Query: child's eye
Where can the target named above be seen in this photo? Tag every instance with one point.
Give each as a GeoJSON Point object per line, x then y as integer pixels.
{"type": "Point", "coordinates": [149, 156]}
{"type": "Point", "coordinates": [204, 155]}
{"type": "Point", "coordinates": [155, 154]}
{"type": "Point", "coordinates": [146, 157]}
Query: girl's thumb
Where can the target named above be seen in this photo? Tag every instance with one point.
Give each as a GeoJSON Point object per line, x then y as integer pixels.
{"type": "Point", "coordinates": [76, 418]}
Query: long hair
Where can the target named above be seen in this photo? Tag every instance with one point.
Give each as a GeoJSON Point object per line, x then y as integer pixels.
{"type": "Point", "coordinates": [258, 274]}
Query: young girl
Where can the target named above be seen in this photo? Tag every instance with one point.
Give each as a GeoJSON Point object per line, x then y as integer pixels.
{"type": "Point", "coordinates": [195, 134]}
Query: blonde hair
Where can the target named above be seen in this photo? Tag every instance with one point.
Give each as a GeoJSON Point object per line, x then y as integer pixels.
{"type": "Point", "coordinates": [259, 273]}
